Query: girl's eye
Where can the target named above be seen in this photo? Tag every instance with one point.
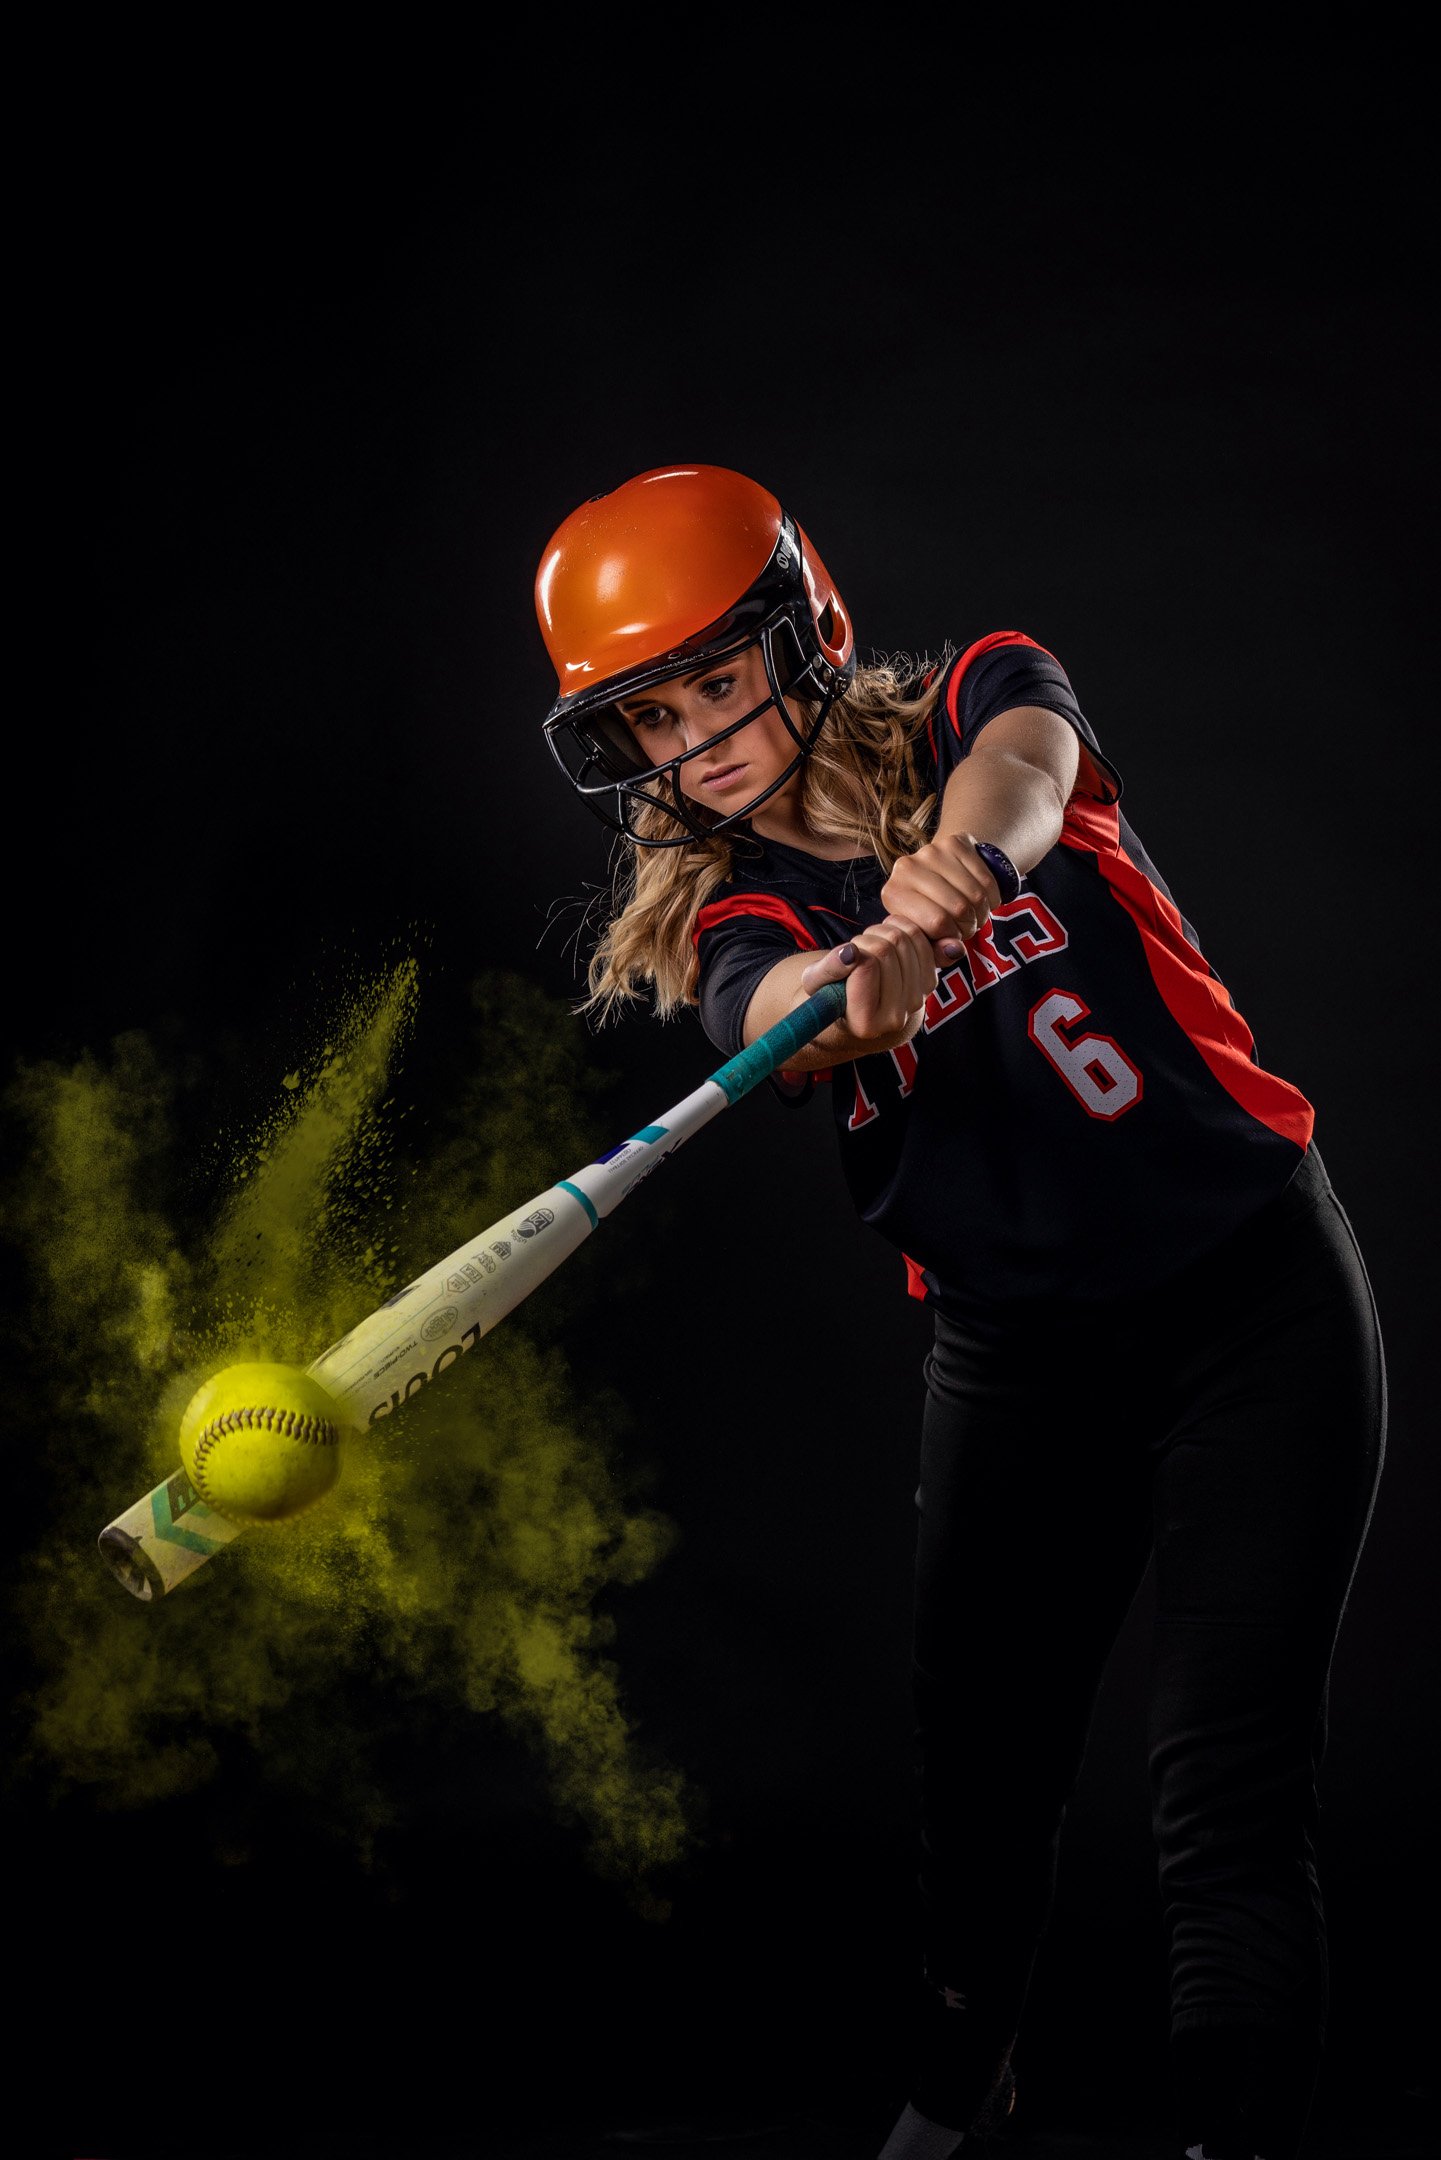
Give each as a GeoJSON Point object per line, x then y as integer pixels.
{"type": "Point", "coordinates": [715, 690]}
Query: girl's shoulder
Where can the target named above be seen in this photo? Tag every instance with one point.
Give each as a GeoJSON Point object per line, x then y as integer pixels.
{"type": "Point", "coordinates": [775, 891]}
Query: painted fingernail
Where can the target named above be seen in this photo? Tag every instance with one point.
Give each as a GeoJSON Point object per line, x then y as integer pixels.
{"type": "Point", "coordinates": [848, 954]}
{"type": "Point", "coordinates": [952, 948]}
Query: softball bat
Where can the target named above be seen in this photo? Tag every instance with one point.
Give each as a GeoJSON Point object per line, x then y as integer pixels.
{"type": "Point", "coordinates": [426, 1328]}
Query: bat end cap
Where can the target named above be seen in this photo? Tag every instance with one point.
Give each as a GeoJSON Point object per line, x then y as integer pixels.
{"type": "Point", "coordinates": [129, 1562]}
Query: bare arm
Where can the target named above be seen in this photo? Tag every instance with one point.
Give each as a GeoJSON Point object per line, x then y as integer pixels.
{"type": "Point", "coordinates": [994, 793]}
{"type": "Point", "coordinates": [1012, 790]}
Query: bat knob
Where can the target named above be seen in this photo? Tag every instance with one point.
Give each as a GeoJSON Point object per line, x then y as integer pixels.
{"type": "Point", "coordinates": [131, 1564]}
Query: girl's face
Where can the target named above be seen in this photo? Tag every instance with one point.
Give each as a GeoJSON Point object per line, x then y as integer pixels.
{"type": "Point", "coordinates": [675, 716]}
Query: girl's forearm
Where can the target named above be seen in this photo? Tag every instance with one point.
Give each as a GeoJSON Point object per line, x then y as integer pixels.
{"type": "Point", "coordinates": [782, 990]}
{"type": "Point", "coordinates": [995, 795]}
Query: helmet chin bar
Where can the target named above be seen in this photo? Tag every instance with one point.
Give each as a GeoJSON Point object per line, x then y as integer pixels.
{"type": "Point", "coordinates": [629, 796]}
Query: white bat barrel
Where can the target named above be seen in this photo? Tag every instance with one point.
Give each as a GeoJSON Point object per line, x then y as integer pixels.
{"type": "Point", "coordinates": [426, 1328]}
{"type": "Point", "coordinates": [415, 1338]}
{"type": "Point", "coordinates": [373, 1371]}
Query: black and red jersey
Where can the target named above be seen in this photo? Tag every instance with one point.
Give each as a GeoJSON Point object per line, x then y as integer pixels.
{"type": "Point", "coordinates": [1083, 1110]}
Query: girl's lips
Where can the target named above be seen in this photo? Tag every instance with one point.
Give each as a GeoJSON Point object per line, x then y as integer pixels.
{"type": "Point", "coordinates": [724, 777]}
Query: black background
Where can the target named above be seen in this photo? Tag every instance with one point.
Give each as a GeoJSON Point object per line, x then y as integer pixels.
{"type": "Point", "coordinates": [317, 370]}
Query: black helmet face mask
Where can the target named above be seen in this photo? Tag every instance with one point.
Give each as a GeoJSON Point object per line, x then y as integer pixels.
{"type": "Point", "coordinates": [604, 763]}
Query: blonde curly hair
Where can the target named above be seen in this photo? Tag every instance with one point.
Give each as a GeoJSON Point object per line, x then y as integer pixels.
{"type": "Point", "coordinates": [863, 782]}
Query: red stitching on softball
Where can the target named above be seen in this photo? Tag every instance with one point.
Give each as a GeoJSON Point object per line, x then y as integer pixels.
{"type": "Point", "coordinates": [310, 1431]}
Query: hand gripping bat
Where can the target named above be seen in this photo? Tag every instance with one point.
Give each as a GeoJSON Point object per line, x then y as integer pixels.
{"type": "Point", "coordinates": [427, 1327]}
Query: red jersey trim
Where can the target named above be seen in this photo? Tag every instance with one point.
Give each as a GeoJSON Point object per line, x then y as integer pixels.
{"type": "Point", "coordinates": [767, 905]}
{"type": "Point", "coordinates": [993, 643]}
{"type": "Point", "coordinates": [926, 680]}
{"type": "Point", "coordinates": [1093, 773]}
{"type": "Point", "coordinates": [1196, 999]}
{"type": "Point", "coordinates": [771, 908]}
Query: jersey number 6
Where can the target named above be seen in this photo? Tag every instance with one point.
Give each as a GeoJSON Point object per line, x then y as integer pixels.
{"type": "Point", "coordinates": [1094, 1067]}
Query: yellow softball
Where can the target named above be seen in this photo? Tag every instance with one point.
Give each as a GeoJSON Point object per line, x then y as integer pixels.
{"type": "Point", "coordinates": [260, 1442]}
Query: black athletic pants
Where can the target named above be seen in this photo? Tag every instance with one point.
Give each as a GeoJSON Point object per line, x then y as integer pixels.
{"type": "Point", "coordinates": [1232, 1419]}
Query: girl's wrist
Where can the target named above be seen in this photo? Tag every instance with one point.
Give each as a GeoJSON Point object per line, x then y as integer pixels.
{"type": "Point", "coordinates": [1002, 869]}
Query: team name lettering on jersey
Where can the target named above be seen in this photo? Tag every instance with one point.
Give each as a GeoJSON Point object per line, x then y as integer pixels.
{"type": "Point", "coordinates": [1027, 929]}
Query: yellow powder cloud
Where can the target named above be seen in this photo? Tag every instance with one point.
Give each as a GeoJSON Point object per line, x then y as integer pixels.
{"type": "Point", "coordinates": [463, 1558]}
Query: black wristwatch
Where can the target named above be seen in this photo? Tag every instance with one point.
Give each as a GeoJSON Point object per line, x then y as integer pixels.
{"type": "Point", "coordinates": [1004, 871]}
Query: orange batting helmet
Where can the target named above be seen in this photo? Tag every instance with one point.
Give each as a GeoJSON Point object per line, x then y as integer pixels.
{"type": "Point", "coordinates": [685, 564]}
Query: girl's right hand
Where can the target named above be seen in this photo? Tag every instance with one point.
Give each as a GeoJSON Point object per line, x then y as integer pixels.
{"type": "Point", "coordinates": [892, 973]}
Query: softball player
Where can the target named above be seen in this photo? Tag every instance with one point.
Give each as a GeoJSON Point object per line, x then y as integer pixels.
{"type": "Point", "coordinates": [1153, 1330]}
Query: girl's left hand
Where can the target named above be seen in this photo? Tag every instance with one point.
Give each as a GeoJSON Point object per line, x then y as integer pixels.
{"type": "Point", "coordinates": [944, 888]}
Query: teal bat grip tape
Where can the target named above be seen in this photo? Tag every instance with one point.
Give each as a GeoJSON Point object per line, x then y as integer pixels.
{"type": "Point", "coordinates": [768, 1053]}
